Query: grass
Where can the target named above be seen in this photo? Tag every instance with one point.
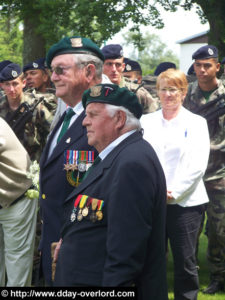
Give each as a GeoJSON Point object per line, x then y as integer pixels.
{"type": "Point", "coordinates": [203, 273]}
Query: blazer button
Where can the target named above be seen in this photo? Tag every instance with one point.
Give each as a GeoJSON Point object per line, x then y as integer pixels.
{"type": "Point", "coordinates": [43, 196]}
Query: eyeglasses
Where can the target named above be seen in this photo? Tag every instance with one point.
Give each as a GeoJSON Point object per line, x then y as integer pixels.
{"type": "Point", "coordinates": [170, 90]}
{"type": "Point", "coordinates": [60, 70]}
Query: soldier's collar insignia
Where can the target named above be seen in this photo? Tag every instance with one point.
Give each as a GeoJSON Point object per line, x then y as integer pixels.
{"type": "Point", "coordinates": [76, 42]}
{"type": "Point", "coordinates": [210, 51]}
{"type": "Point", "coordinates": [95, 91]}
{"type": "Point", "coordinates": [14, 74]}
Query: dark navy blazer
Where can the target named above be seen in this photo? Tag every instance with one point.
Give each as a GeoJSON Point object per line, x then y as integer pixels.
{"type": "Point", "coordinates": [128, 245]}
{"type": "Point", "coordinates": [54, 187]}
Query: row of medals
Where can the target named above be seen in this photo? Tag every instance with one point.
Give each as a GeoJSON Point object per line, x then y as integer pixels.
{"type": "Point", "coordinates": [84, 212]}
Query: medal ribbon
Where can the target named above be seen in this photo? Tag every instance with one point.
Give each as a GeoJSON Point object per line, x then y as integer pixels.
{"type": "Point", "coordinates": [83, 201]}
{"type": "Point", "coordinates": [76, 202]}
{"type": "Point", "coordinates": [100, 204]}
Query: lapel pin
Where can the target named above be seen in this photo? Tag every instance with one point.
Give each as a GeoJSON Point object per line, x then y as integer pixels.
{"type": "Point", "coordinates": [68, 140]}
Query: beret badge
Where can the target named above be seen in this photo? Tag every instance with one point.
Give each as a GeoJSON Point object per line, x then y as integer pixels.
{"type": "Point", "coordinates": [128, 67]}
{"type": "Point", "coordinates": [14, 74]}
{"type": "Point", "coordinates": [95, 91]}
{"type": "Point", "coordinates": [76, 42]}
{"type": "Point", "coordinates": [210, 51]}
{"type": "Point", "coordinates": [35, 65]}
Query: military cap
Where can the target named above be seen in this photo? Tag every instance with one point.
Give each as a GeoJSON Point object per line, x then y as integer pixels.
{"type": "Point", "coordinates": [74, 44]}
{"type": "Point", "coordinates": [36, 65]}
{"type": "Point", "coordinates": [207, 51]}
{"type": "Point", "coordinates": [223, 61]}
{"type": "Point", "coordinates": [163, 67]}
{"type": "Point", "coordinates": [191, 70]}
{"type": "Point", "coordinates": [114, 95]}
{"type": "Point", "coordinates": [4, 63]}
{"type": "Point", "coordinates": [10, 72]}
{"type": "Point", "coordinates": [131, 65]}
{"type": "Point", "coordinates": [112, 51]}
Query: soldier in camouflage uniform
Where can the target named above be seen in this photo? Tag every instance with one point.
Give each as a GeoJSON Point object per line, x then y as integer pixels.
{"type": "Point", "coordinates": [114, 66]}
{"type": "Point", "coordinates": [35, 132]}
{"type": "Point", "coordinates": [201, 98]}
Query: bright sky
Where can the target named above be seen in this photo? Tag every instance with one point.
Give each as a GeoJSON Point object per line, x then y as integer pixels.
{"type": "Point", "coordinates": [178, 26]}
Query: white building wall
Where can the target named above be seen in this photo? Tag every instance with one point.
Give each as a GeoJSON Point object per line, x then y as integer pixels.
{"type": "Point", "coordinates": [186, 51]}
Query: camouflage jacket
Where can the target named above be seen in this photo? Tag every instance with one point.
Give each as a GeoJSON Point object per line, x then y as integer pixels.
{"type": "Point", "coordinates": [194, 100]}
{"type": "Point", "coordinates": [34, 135]}
{"type": "Point", "coordinates": [148, 103]}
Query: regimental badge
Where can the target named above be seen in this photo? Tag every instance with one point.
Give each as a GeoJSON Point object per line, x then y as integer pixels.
{"type": "Point", "coordinates": [14, 74]}
{"type": "Point", "coordinates": [76, 42]}
{"type": "Point", "coordinates": [210, 51]}
{"type": "Point", "coordinates": [128, 67]}
{"type": "Point", "coordinates": [35, 65]}
{"type": "Point", "coordinates": [76, 163]}
{"type": "Point", "coordinates": [95, 91]}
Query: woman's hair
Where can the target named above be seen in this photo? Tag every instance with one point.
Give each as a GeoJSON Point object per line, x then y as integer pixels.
{"type": "Point", "coordinates": [175, 78]}
{"type": "Point", "coordinates": [131, 121]}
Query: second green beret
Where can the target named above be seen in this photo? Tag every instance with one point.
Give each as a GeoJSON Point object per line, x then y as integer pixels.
{"type": "Point", "coordinates": [113, 94]}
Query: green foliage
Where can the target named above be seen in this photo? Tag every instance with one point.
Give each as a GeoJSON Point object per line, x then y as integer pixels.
{"type": "Point", "coordinates": [11, 39]}
{"type": "Point", "coordinates": [148, 50]}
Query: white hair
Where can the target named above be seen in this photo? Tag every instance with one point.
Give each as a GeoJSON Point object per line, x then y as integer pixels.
{"type": "Point", "coordinates": [82, 60]}
{"type": "Point", "coordinates": [131, 121]}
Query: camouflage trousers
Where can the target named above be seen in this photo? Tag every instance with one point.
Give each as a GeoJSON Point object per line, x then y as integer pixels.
{"type": "Point", "coordinates": [216, 229]}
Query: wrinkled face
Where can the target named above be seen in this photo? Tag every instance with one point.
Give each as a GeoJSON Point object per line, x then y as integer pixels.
{"type": "Point", "coordinates": [70, 80]}
{"type": "Point", "coordinates": [14, 88]}
{"type": "Point", "coordinates": [113, 68]}
{"type": "Point", "coordinates": [206, 69]}
{"type": "Point", "coordinates": [36, 79]}
{"type": "Point", "coordinates": [101, 128]}
{"type": "Point", "coordinates": [170, 96]}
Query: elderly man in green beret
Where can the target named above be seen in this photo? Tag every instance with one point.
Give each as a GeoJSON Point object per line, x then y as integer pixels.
{"type": "Point", "coordinates": [114, 222]}
{"type": "Point", "coordinates": [76, 65]}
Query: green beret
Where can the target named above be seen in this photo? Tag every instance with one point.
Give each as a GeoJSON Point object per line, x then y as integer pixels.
{"type": "Point", "coordinates": [74, 44]}
{"type": "Point", "coordinates": [113, 94]}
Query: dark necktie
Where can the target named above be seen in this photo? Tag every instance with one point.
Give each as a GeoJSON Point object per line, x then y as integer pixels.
{"type": "Point", "coordinates": [96, 161]}
{"type": "Point", "coordinates": [66, 123]}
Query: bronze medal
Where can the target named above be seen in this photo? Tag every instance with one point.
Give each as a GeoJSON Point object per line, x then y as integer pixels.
{"type": "Point", "coordinates": [99, 215]}
{"type": "Point", "coordinates": [79, 215]}
{"type": "Point", "coordinates": [85, 211]}
{"type": "Point", "coordinates": [93, 217]}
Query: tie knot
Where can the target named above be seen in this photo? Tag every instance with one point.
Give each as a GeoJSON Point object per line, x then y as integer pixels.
{"type": "Point", "coordinates": [69, 114]}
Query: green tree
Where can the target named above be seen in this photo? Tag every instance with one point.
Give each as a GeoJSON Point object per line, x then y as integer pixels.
{"type": "Point", "coordinates": [46, 21]}
{"type": "Point", "coordinates": [11, 39]}
{"type": "Point", "coordinates": [148, 50]}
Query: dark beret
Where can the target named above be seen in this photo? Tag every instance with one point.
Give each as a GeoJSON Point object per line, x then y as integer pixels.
{"type": "Point", "coordinates": [112, 51]}
{"type": "Point", "coordinates": [113, 94]}
{"type": "Point", "coordinates": [4, 63]}
{"type": "Point", "coordinates": [191, 70]}
{"type": "Point", "coordinates": [131, 65]}
{"type": "Point", "coordinates": [36, 65]}
{"type": "Point", "coordinates": [74, 44]}
{"type": "Point", "coordinates": [10, 72]}
{"type": "Point", "coordinates": [163, 67]}
{"type": "Point", "coordinates": [207, 51]}
{"type": "Point", "coordinates": [223, 61]}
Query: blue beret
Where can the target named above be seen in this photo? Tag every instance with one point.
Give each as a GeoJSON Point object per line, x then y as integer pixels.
{"type": "Point", "coordinates": [10, 72]}
{"type": "Point", "coordinates": [74, 44]}
{"type": "Point", "coordinates": [223, 61]}
{"type": "Point", "coordinates": [191, 70]}
{"type": "Point", "coordinates": [114, 95]}
{"type": "Point", "coordinates": [35, 65]}
{"type": "Point", "coordinates": [131, 65]}
{"type": "Point", "coordinates": [207, 51]}
{"type": "Point", "coordinates": [163, 67]}
{"type": "Point", "coordinates": [4, 63]}
{"type": "Point", "coordinates": [112, 51]}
